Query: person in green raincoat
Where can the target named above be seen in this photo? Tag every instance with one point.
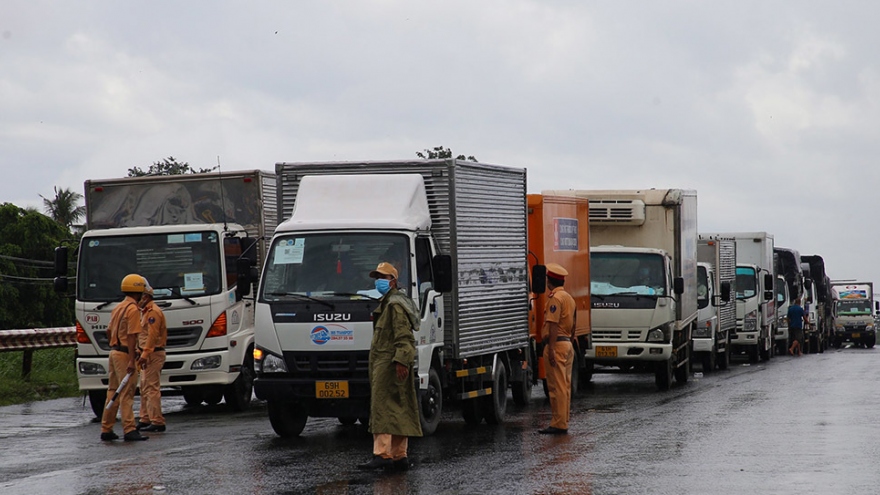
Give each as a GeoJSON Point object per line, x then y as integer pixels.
{"type": "Point", "coordinates": [394, 409]}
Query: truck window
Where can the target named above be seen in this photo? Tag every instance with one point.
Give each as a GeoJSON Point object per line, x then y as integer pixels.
{"type": "Point", "coordinates": [702, 287]}
{"type": "Point", "coordinates": [853, 307]}
{"type": "Point", "coordinates": [332, 264]}
{"type": "Point", "coordinates": [424, 274]}
{"type": "Point", "coordinates": [175, 265]}
{"type": "Point", "coordinates": [627, 274]}
{"type": "Point", "coordinates": [746, 282]}
{"type": "Point", "coordinates": [781, 289]}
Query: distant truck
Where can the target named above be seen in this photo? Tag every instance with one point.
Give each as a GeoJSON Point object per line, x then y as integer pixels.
{"type": "Point", "coordinates": [716, 315]}
{"type": "Point", "coordinates": [755, 294]}
{"type": "Point", "coordinates": [197, 238]}
{"type": "Point", "coordinates": [643, 270]}
{"type": "Point", "coordinates": [855, 313]}
{"type": "Point", "coordinates": [788, 266]}
{"type": "Point", "coordinates": [559, 232]}
{"type": "Point", "coordinates": [455, 230]}
{"type": "Point", "coordinates": [819, 304]}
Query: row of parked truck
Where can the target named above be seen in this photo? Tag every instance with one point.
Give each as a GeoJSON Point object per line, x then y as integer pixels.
{"type": "Point", "coordinates": [283, 308]}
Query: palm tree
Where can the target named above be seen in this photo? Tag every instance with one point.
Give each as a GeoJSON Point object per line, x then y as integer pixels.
{"type": "Point", "coordinates": [63, 209]}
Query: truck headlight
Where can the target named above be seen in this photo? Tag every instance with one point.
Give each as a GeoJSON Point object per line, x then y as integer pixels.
{"type": "Point", "coordinates": [91, 369]}
{"type": "Point", "coordinates": [750, 322]}
{"type": "Point", "coordinates": [657, 334]}
{"type": "Point", "coordinates": [702, 332]}
{"type": "Point", "coordinates": [206, 363]}
{"type": "Point", "coordinates": [272, 364]}
{"type": "Point", "coordinates": [869, 328]}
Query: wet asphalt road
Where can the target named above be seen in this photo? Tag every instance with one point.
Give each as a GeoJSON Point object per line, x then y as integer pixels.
{"type": "Point", "coordinates": [808, 425]}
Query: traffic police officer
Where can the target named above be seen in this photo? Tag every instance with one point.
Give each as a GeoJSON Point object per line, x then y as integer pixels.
{"type": "Point", "coordinates": [152, 340]}
{"type": "Point", "coordinates": [123, 330]}
{"type": "Point", "coordinates": [557, 334]}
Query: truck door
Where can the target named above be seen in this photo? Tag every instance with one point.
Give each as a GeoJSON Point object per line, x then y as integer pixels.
{"type": "Point", "coordinates": [430, 302]}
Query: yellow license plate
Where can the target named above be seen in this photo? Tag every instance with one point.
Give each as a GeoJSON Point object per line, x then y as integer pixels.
{"type": "Point", "coordinates": [331, 390]}
{"type": "Point", "coordinates": [856, 335]}
{"type": "Point", "coordinates": [606, 351]}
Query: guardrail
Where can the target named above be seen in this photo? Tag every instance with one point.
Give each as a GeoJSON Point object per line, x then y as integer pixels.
{"type": "Point", "coordinates": [35, 338]}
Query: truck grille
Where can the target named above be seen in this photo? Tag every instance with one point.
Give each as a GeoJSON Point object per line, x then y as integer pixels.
{"type": "Point", "coordinates": [177, 337]}
{"type": "Point", "coordinates": [327, 364]}
{"type": "Point", "coordinates": [617, 335]}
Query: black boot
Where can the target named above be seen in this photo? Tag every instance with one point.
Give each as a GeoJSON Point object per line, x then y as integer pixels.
{"type": "Point", "coordinates": [377, 462]}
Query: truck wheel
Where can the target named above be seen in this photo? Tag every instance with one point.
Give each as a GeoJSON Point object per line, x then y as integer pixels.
{"type": "Point", "coordinates": [431, 403]}
{"type": "Point", "coordinates": [663, 375]}
{"type": "Point", "coordinates": [347, 420]}
{"type": "Point", "coordinates": [586, 375]}
{"type": "Point", "coordinates": [753, 354]}
{"type": "Point", "coordinates": [287, 419]}
{"type": "Point", "coordinates": [708, 361]}
{"type": "Point", "coordinates": [871, 341]}
{"type": "Point", "coordinates": [781, 349]}
{"type": "Point", "coordinates": [471, 411]}
{"type": "Point", "coordinates": [214, 396]}
{"type": "Point", "coordinates": [765, 352]}
{"type": "Point", "coordinates": [723, 358]}
{"type": "Point", "coordinates": [98, 399]}
{"type": "Point", "coordinates": [193, 396]}
{"type": "Point", "coordinates": [495, 405]}
{"type": "Point", "coordinates": [522, 391]}
{"type": "Point", "coordinates": [238, 394]}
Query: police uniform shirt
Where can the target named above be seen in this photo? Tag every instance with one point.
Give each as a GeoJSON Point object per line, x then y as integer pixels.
{"type": "Point", "coordinates": [560, 310]}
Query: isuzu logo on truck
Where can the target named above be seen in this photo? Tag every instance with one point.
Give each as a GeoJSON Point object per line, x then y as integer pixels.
{"type": "Point", "coordinates": [333, 317]}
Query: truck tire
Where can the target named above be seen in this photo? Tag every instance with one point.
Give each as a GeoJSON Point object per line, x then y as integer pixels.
{"type": "Point", "coordinates": [522, 391]}
{"type": "Point", "coordinates": [431, 403]}
{"type": "Point", "coordinates": [663, 375]}
{"type": "Point", "coordinates": [214, 396]}
{"type": "Point", "coordinates": [781, 347]}
{"type": "Point", "coordinates": [586, 375]}
{"type": "Point", "coordinates": [723, 358]}
{"type": "Point", "coordinates": [347, 420]}
{"type": "Point", "coordinates": [98, 399]}
{"type": "Point", "coordinates": [471, 411]}
{"type": "Point", "coordinates": [495, 405]}
{"type": "Point", "coordinates": [871, 341]}
{"type": "Point", "coordinates": [287, 419]}
{"type": "Point", "coordinates": [193, 396]}
{"type": "Point", "coordinates": [765, 352]}
{"type": "Point", "coordinates": [708, 361]}
{"type": "Point", "coordinates": [753, 354]}
{"type": "Point", "coordinates": [238, 394]}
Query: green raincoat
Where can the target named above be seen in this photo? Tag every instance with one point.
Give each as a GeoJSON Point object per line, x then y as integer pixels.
{"type": "Point", "coordinates": [394, 408]}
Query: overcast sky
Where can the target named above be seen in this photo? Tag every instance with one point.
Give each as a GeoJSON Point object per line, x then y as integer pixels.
{"type": "Point", "coordinates": [769, 109]}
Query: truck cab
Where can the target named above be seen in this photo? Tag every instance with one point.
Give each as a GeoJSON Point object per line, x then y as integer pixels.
{"type": "Point", "coordinates": [755, 293]}
{"type": "Point", "coordinates": [707, 317]}
{"type": "Point", "coordinates": [783, 302]}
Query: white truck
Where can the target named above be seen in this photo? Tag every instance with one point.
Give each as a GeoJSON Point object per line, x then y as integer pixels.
{"type": "Point", "coordinates": [456, 231]}
{"type": "Point", "coordinates": [197, 238]}
{"type": "Point", "coordinates": [755, 294]}
{"type": "Point", "coordinates": [789, 269]}
{"type": "Point", "coordinates": [716, 314]}
{"type": "Point", "coordinates": [819, 303]}
{"type": "Point", "coordinates": [855, 313]}
{"type": "Point", "coordinates": [643, 268]}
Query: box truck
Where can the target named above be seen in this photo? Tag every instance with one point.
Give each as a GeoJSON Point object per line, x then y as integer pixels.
{"type": "Point", "coordinates": [855, 313]}
{"type": "Point", "coordinates": [716, 313]}
{"type": "Point", "coordinates": [820, 305]}
{"type": "Point", "coordinates": [643, 280]}
{"type": "Point", "coordinates": [455, 230]}
{"type": "Point", "coordinates": [197, 238]}
{"type": "Point", "coordinates": [788, 266]}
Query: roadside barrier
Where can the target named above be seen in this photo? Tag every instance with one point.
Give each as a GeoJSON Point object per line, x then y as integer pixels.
{"type": "Point", "coordinates": [35, 338]}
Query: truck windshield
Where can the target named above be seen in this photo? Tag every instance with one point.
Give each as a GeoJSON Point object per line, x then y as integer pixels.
{"type": "Point", "coordinates": [627, 274]}
{"type": "Point", "coordinates": [853, 307]}
{"type": "Point", "coordinates": [180, 264]}
{"type": "Point", "coordinates": [746, 282]}
{"type": "Point", "coordinates": [332, 265]}
{"type": "Point", "coordinates": [781, 290]}
{"type": "Point", "coordinates": [702, 287]}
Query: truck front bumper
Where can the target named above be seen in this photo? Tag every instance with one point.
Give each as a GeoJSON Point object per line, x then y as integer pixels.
{"type": "Point", "coordinates": [282, 387]}
{"type": "Point", "coordinates": [704, 345]}
{"type": "Point", "coordinates": [628, 352]}
{"type": "Point", "coordinates": [212, 368]}
{"type": "Point", "coordinates": [744, 338]}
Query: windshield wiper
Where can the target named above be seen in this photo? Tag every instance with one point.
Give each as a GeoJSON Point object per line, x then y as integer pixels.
{"type": "Point", "coordinates": [176, 291]}
{"type": "Point", "coordinates": [303, 296]}
{"type": "Point", "coordinates": [105, 303]}
{"type": "Point", "coordinates": [353, 294]}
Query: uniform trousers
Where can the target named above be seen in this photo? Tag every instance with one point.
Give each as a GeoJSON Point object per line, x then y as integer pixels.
{"type": "Point", "coordinates": [388, 446]}
{"type": "Point", "coordinates": [151, 396]}
{"type": "Point", "coordinates": [559, 381]}
{"type": "Point", "coordinates": [118, 363]}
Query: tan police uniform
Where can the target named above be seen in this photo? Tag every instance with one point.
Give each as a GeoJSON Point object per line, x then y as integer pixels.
{"type": "Point", "coordinates": [559, 311]}
{"type": "Point", "coordinates": [152, 341]}
{"type": "Point", "coordinates": [124, 322]}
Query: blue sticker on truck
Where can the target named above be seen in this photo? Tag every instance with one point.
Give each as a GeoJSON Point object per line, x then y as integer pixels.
{"type": "Point", "coordinates": [336, 334]}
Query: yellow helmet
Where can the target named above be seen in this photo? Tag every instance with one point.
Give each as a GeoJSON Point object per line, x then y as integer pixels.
{"type": "Point", "coordinates": [133, 283]}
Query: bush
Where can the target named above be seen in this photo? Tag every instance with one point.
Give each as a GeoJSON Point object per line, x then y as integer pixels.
{"type": "Point", "coordinates": [53, 375]}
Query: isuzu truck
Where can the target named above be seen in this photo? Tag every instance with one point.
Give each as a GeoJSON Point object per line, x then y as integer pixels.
{"type": "Point", "coordinates": [197, 238]}
{"type": "Point", "coordinates": [455, 231]}
{"type": "Point", "coordinates": [643, 274]}
{"type": "Point", "coordinates": [716, 316]}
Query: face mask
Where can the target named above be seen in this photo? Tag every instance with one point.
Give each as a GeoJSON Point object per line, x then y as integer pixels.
{"type": "Point", "coordinates": [383, 285]}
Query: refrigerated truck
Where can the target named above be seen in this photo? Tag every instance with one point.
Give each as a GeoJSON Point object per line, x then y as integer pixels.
{"type": "Point", "coordinates": [456, 231]}
{"type": "Point", "coordinates": [197, 238]}
{"type": "Point", "coordinates": [643, 280]}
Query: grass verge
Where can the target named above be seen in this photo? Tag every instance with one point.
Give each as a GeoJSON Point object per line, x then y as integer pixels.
{"type": "Point", "coordinates": [53, 375]}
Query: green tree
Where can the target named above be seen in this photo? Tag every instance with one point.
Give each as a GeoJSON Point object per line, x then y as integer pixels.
{"type": "Point", "coordinates": [64, 208]}
{"type": "Point", "coordinates": [168, 166]}
{"type": "Point", "coordinates": [27, 250]}
{"type": "Point", "coordinates": [442, 153]}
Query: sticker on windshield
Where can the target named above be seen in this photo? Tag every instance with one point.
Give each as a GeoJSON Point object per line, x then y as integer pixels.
{"type": "Point", "coordinates": [290, 251]}
{"type": "Point", "coordinates": [193, 237]}
{"type": "Point", "coordinates": [193, 281]}
{"type": "Point", "coordinates": [175, 238]}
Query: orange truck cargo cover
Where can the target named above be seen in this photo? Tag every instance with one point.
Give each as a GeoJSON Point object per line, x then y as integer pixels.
{"type": "Point", "coordinates": [559, 232]}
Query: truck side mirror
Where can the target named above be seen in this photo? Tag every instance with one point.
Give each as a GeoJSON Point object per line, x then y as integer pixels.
{"type": "Point", "coordinates": [539, 279]}
{"type": "Point", "coordinates": [678, 285]}
{"type": "Point", "coordinates": [769, 280]}
{"type": "Point", "coordinates": [808, 282]}
{"type": "Point", "coordinates": [60, 282]}
{"type": "Point", "coordinates": [725, 291]}
{"type": "Point", "coordinates": [442, 268]}
{"type": "Point", "coordinates": [245, 268]}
